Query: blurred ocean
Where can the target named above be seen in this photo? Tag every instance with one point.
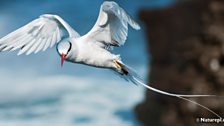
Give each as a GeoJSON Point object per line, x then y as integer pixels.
{"type": "Point", "coordinates": [36, 91]}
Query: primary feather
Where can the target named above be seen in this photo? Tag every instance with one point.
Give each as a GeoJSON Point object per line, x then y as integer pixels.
{"type": "Point", "coordinates": [37, 35]}
{"type": "Point", "coordinates": [111, 27]}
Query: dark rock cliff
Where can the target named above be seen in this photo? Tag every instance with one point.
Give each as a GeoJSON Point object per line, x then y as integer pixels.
{"type": "Point", "coordinates": [186, 43]}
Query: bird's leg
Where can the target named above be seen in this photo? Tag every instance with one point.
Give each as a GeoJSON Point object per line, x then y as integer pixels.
{"type": "Point", "coordinates": [118, 66]}
{"type": "Point", "coordinates": [121, 68]}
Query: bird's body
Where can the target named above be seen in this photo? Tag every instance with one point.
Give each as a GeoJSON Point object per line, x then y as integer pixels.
{"type": "Point", "coordinates": [85, 51]}
{"type": "Point", "coordinates": [93, 48]}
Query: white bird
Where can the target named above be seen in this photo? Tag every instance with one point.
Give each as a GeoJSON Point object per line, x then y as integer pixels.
{"type": "Point", "coordinates": [93, 48]}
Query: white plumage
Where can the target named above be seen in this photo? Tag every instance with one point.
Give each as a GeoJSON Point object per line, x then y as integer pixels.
{"type": "Point", "coordinates": [110, 29]}
{"type": "Point", "coordinates": [39, 34]}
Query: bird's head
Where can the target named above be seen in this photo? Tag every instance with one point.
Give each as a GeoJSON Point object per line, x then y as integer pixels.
{"type": "Point", "coordinates": [63, 49]}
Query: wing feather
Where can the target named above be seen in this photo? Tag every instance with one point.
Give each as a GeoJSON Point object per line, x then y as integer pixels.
{"type": "Point", "coordinates": [12, 42]}
{"type": "Point", "coordinates": [41, 45]}
{"type": "Point", "coordinates": [26, 47]}
{"type": "Point", "coordinates": [54, 39]}
{"type": "Point", "coordinates": [34, 46]}
{"type": "Point", "coordinates": [47, 42]}
{"type": "Point", "coordinates": [111, 27]}
{"type": "Point", "coordinates": [39, 34]}
{"type": "Point", "coordinates": [21, 42]}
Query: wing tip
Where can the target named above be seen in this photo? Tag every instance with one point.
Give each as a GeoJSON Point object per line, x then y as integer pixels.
{"type": "Point", "coordinates": [137, 27]}
{"type": "Point", "coordinates": [134, 24]}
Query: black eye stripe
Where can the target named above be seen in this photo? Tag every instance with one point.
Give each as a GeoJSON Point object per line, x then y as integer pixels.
{"type": "Point", "coordinates": [70, 46]}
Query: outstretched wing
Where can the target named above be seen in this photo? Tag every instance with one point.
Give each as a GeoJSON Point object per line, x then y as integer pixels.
{"type": "Point", "coordinates": [111, 27]}
{"type": "Point", "coordinates": [40, 34]}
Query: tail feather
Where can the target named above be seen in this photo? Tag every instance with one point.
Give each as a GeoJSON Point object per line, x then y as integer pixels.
{"type": "Point", "coordinates": [128, 74]}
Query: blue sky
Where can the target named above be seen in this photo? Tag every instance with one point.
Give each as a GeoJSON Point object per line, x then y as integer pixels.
{"type": "Point", "coordinates": [36, 91]}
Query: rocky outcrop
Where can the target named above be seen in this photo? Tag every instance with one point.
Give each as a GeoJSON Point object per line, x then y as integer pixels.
{"type": "Point", "coordinates": [186, 44]}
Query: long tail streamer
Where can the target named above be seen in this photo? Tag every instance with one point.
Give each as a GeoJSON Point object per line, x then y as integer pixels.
{"type": "Point", "coordinates": [133, 77]}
